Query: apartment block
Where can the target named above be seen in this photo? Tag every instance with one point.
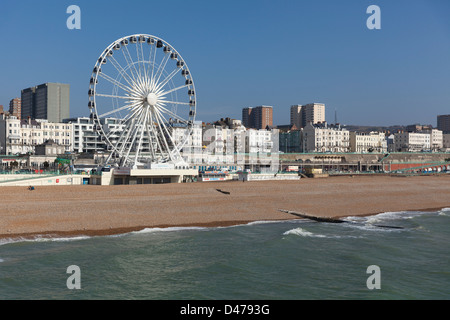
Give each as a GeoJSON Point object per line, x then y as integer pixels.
{"type": "Point", "coordinates": [49, 101]}
{"type": "Point", "coordinates": [313, 113]}
{"type": "Point", "coordinates": [443, 123]}
{"type": "Point", "coordinates": [258, 117]}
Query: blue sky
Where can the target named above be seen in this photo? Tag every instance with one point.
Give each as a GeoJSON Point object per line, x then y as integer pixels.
{"type": "Point", "coordinates": [249, 53]}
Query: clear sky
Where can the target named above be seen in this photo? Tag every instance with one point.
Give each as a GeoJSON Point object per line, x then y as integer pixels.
{"type": "Point", "coordinates": [245, 53]}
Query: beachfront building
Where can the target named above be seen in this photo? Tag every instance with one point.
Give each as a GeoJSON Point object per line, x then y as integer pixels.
{"type": "Point", "coordinates": [368, 142]}
{"type": "Point", "coordinates": [431, 140]}
{"type": "Point", "coordinates": [436, 140]}
{"type": "Point", "coordinates": [192, 148]}
{"type": "Point", "coordinates": [86, 137]}
{"type": "Point", "coordinates": [291, 141]}
{"type": "Point", "coordinates": [411, 142]}
{"type": "Point", "coordinates": [446, 142]}
{"type": "Point", "coordinates": [22, 136]}
{"type": "Point", "coordinates": [325, 138]}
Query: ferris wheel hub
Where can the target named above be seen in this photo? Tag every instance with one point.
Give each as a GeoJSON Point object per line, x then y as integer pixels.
{"type": "Point", "coordinates": [152, 99]}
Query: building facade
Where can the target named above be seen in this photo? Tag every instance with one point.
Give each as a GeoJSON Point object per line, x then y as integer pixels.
{"type": "Point", "coordinates": [15, 108]}
{"type": "Point", "coordinates": [325, 138]}
{"type": "Point", "coordinates": [313, 113]}
{"type": "Point", "coordinates": [424, 141]}
{"type": "Point", "coordinates": [368, 142]}
{"type": "Point", "coordinates": [443, 123]}
{"type": "Point", "coordinates": [257, 118]}
{"type": "Point", "coordinates": [50, 101]}
{"type": "Point", "coordinates": [22, 136]}
{"type": "Point", "coordinates": [446, 142]}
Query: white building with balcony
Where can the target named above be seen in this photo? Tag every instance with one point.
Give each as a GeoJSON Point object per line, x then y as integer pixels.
{"type": "Point", "coordinates": [324, 138]}
{"type": "Point", "coordinates": [22, 136]}
{"type": "Point", "coordinates": [418, 141]}
{"type": "Point", "coordinates": [368, 142]}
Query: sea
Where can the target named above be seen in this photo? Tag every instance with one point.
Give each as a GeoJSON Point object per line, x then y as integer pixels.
{"type": "Point", "coordinates": [389, 256]}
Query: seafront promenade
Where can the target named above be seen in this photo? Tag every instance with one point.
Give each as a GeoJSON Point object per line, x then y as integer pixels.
{"type": "Point", "coordinates": [102, 210]}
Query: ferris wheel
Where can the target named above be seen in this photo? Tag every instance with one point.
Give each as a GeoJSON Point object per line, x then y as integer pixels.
{"type": "Point", "coordinates": [140, 91]}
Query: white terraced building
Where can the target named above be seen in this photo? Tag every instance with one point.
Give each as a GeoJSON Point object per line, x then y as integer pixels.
{"type": "Point", "coordinates": [368, 142]}
{"type": "Point", "coordinates": [325, 138]}
{"type": "Point", "coordinates": [418, 141]}
{"type": "Point", "coordinates": [22, 136]}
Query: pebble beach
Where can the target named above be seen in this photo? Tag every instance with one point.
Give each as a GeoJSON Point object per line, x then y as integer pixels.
{"type": "Point", "coordinates": [107, 210]}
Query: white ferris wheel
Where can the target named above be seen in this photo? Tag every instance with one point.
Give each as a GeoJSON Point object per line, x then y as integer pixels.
{"type": "Point", "coordinates": [140, 90]}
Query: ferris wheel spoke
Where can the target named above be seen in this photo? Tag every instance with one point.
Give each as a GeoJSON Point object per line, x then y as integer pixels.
{"type": "Point", "coordinates": [150, 139]}
{"type": "Point", "coordinates": [115, 96]}
{"type": "Point", "coordinates": [123, 72]}
{"type": "Point", "coordinates": [132, 133]}
{"type": "Point", "coordinates": [158, 133]}
{"type": "Point", "coordinates": [155, 51]}
{"type": "Point", "coordinates": [166, 80]}
{"type": "Point", "coordinates": [141, 58]}
{"type": "Point", "coordinates": [144, 124]}
{"type": "Point", "coordinates": [164, 93]}
{"type": "Point", "coordinates": [133, 64]}
{"type": "Point", "coordinates": [163, 135]}
{"type": "Point", "coordinates": [130, 63]}
{"type": "Point", "coordinates": [163, 122]}
{"type": "Point", "coordinates": [172, 114]}
{"type": "Point", "coordinates": [165, 60]}
{"type": "Point", "coordinates": [115, 82]}
{"type": "Point", "coordinates": [164, 102]}
{"type": "Point", "coordinates": [128, 106]}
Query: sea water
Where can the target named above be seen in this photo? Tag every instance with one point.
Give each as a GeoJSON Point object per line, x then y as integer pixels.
{"type": "Point", "coordinates": [289, 260]}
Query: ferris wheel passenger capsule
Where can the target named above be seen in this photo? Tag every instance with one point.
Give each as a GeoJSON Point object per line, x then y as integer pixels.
{"type": "Point", "coordinates": [159, 44]}
{"type": "Point", "coordinates": [180, 64]}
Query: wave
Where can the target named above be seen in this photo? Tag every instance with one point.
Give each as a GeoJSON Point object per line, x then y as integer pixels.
{"type": "Point", "coordinates": [304, 233]}
{"type": "Point", "coordinates": [170, 229]}
{"type": "Point", "coordinates": [308, 234]}
{"type": "Point", "coordinates": [41, 239]}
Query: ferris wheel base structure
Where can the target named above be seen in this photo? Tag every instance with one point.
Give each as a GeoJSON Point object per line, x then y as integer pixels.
{"type": "Point", "coordinates": [130, 176]}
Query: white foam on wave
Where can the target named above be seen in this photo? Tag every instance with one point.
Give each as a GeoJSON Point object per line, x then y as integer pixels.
{"type": "Point", "coordinates": [41, 239]}
{"type": "Point", "coordinates": [386, 217]}
{"type": "Point", "coordinates": [1, 260]}
{"type": "Point", "coordinates": [170, 229]}
{"type": "Point", "coordinates": [304, 233]}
